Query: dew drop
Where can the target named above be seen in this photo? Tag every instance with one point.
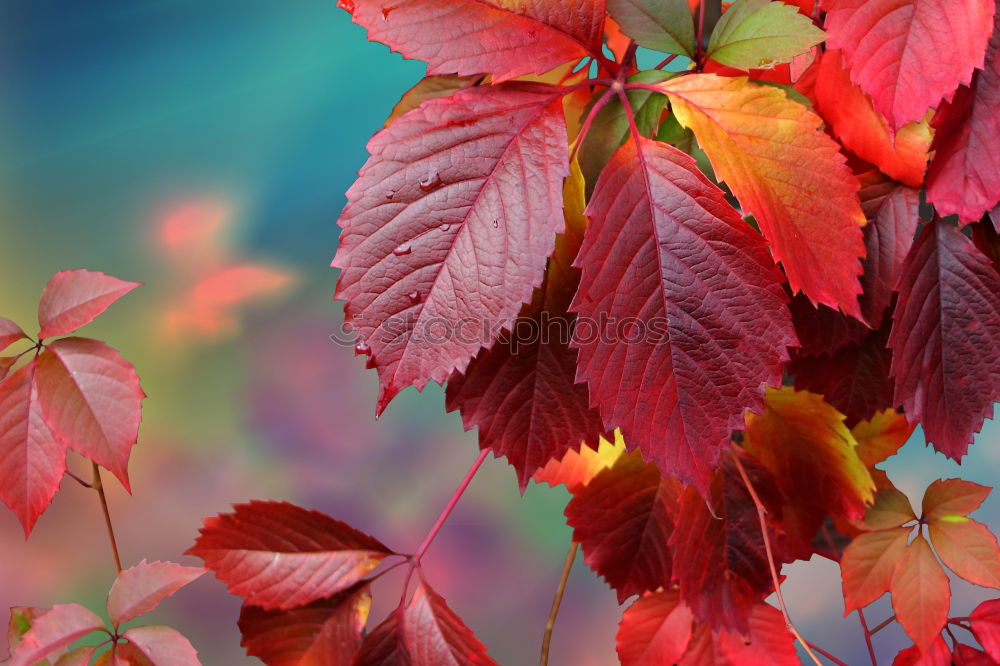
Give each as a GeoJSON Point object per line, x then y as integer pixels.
{"type": "Point", "coordinates": [445, 227]}
{"type": "Point", "coordinates": [430, 181]}
{"type": "Point", "coordinates": [362, 348]}
{"type": "Point", "coordinates": [346, 5]}
{"type": "Point", "coordinates": [402, 250]}
{"type": "Point", "coordinates": [496, 224]}
{"type": "Point", "coordinates": [390, 194]}
{"type": "Point", "coordinates": [414, 297]}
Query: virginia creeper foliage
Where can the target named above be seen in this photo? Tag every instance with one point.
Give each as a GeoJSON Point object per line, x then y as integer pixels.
{"type": "Point", "coordinates": [757, 271]}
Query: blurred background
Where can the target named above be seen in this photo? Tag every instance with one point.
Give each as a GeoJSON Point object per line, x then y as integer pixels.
{"type": "Point", "coordinates": [204, 149]}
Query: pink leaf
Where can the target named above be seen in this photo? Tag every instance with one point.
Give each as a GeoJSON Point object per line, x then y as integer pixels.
{"type": "Point", "coordinates": [163, 646]}
{"type": "Point", "coordinates": [448, 228]}
{"type": "Point", "coordinates": [9, 333]}
{"type": "Point", "coordinates": [92, 401]}
{"type": "Point", "coordinates": [696, 306]}
{"type": "Point", "coordinates": [72, 299]}
{"type": "Point", "coordinates": [32, 459]}
{"type": "Point", "coordinates": [277, 555]}
{"type": "Point", "coordinates": [985, 622]}
{"type": "Point", "coordinates": [53, 631]}
{"type": "Point", "coordinates": [81, 656]}
{"type": "Point", "coordinates": [141, 588]}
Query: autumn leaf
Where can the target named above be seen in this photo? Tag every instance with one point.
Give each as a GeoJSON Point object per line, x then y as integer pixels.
{"type": "Point", "coordinates": [769, 642]}
{"type": "Point", "coordinates": [451, 222]}
{"type": "Point", "coordinates": [623, 519]}
{"type": "Point", "coordinates": [964, 177]}
{"type": "Point", "coordinates": [761, 34]}
{"type": "Point", "coordinates": [901, 155]}
{"type": "Point", "coordinates": [666, 26]}
{"type": "Point", "coordinates": [522, 395]}
{"type": "Point", "coordinates": [968, 656]}
{"type": "Point", "coordinates": [276, 555]}
{"type": "Point", "coordinates": [985, 623]}
{"type": "Point", "coordinates": [946, 498]}
{"type": "Point", "coordinates": [52, 632]}
{"type": "Point", "coordinates": [384, 645]}
{"type": "Point", "coordinates": [968, 548]}
{"type": "Point", "coordinates": [92, 401]}
{"type": "Point", "coordinates": [163, 646]}
{"type": "Point", "coordinates": [498, 37]}
{"type": "Point", "coordinates": [326, 632]}
{"type": "Point", "coordinates": [868, 565]}
{"type": "Point", "coordinates": [909, 54]}
{"type": "Point", "coordinates": [786, 173]}
{"type": "Point", "coordinates": [921, 594]}
{"type": "Point", "coordinates": [936, 654]}
{"type": "Point", "coordinates": [10, 333]}
{"type": "Point", "coordinates": [946, 338]}
{"type": "Point", "coordinates": [879, 438]}
{"type": "Point", "coordinates": [654, 630]}
{"type": "Point", "coordinates": [431, 87]}
{"type": "Point", "coordinates": [141, 588]}
{"type": "Point", "coordinates": [578, 468]}
{"type": "Point", "coordinates": [697, 306]}
{"type": "Point", "coordinates": [72, 299]}
{"type": "Point", "coordinates": [434, 635]}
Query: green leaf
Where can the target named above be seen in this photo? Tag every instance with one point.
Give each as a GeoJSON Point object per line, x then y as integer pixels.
{"type": "Point", "coordinates": [759, 34]}
{"type": "Point", "coordinates": [662, 25]}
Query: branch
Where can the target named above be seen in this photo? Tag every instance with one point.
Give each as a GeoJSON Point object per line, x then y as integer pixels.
{"type": "Point", "coordinates": [761, 512]}
{"type": "Point", "coordinates": [99, 487]}
{"type": "Point", "coordinates": [557, 601]}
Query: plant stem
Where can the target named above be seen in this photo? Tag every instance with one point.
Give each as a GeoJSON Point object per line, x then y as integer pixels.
{"type": "Point", "coordinates": [99, 487]}
{"type": "Point", "coordinates": [557, 601]}
{"type": "Point", "coordinates": [824, 653]}
{"type": "Point", "coordinates": [594, 110]}
{"type": "Point", "coordinates": [868, 637]}
{"type": "Point", "coordinates": [883, 625]}
{"type": "Point", "coordinates": [78, 479]}
{"type": "Point", "coordinates": [667, 61]}
{"type": "Point", "coordinates": [761, 512]}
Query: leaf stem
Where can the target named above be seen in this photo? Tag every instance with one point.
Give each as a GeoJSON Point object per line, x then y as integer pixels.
{"type": "Point", "coordinates": [669, 59]}
{"type": "Point", "coordinates": [868, 637]}
{"type": "Point", "coordinates": [594, 110]}
{"type": "Point", "coordinates": [824, 653]}
{"type": "Point", "coordinates": [98, 485]}
{"type": "Point", "coordinates": [883, 625]}
{"type": "Point", "coordinates": [701, 29]}
{"type": "Point", "coordinates": [761, 513]}
{"type": "Point", "coordinates": [78, 479]}
{"type": "Point", "coordinates": [557, 601]}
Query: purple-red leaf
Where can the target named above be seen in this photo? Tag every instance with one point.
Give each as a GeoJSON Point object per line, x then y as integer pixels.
{"type": "Point", "coordinates": [654, 630]}
{"type": "Point", "coordinates": [946, 338]}
{"type": "Point", "coordinates": [964, 177]}
{"type": "Point", "coordinates": [498, 37]}
{"type": "Point", "coordinates": [435, 636]}
{"type": "Point", "coordinates": [985, 623]}
{"type": "Point", "coordinates": [685, 307]}
{"type": "Point", "coordinates": [384, 645]}
{"type": "Point", "coordinates": [163, 646]}
{"type": "Point", "coordinates": [9, 333]}
{"type": "Point", "coordinates": [141, 588]}
{"type": "Point", "coordinates": [623, 519]}
{"type": "Point", "coordinates": [73, 299]}
{"type": "Point", "coordinates": [53, 631]}
{"type": "Point", "coordinates": [278, 555]}
{"type": "Point", "coordinates": [936, 654]}
{"type": "Point", "coordinates": [92, 401]}
{"type": "Point", "coordinates": [32, 459]}
{"type": "Point", "coordinates": [769, 642]}
{"type": "Point", "coordinates": [908, 54]}
{"type": "Point", "coordinates": [326, 632]}
{"type": "Point", "coordinates": [448, 228]}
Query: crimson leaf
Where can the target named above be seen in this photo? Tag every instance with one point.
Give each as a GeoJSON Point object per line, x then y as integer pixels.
{"type": "Point", "coordinates": [72, 299]}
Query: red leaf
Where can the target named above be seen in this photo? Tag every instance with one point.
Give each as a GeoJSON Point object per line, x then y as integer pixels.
{"type": "Point", "coordinates": [92, 401]}
{"type": "Point", "coordinates": [881, 437]}
{"type": "Point", "coordinates": [431, 87]}
{"type": "Point", "coordinates": [384, 645]}
{"type": "Point", "coordinates": [435, 636]}
{"type": "Point", "coordinates": [623, 519]}
{"type": "Point", "coordinates": [822, 331]}
{"type": "Point", "coordinates": [32, 459]}
{"type": "Point", "coordinates": [719, 560]}
{"type": "Point", "coordinates": [769, 642]}
{"type": "Point", "coordinates": [921, 594]}
{"type": "Point", "coordinates": [654, 630]}
{"type": "Point", "coordinates": [81, 656]}
{"type": "Point", "coordinates": [53, 631]}
{"type": "Point", "coordinates": [73, 299]}
{"type": "Point", "coordinates": [863, 130]}
{"type": "Point", "coordinates": [952, 497]}
{"type": "Point", "coordinates": [772, 154]}
{"type": "Point", "coordinates": [141, 588]}
{"type": "Point", "coordinates": [448, 228]}
{"type": "Point", "coordinates": [936, 655]}
{"type": "Point", "coordinates": [964, 177]}
{"type": "Point", "coordinates": [696, 306]}
{"type": "Point", "coordinates": [892, 211]}
{"type": "Point", "coordinates": [578, 468]}
{"type": "Point", "coordinates": [9, 333]}
{"type": "Point", "coordinates": [946, 338]}
{"type": "Point", "coordinates": [985, 623]}
{"type": "Point", "coordinates": [326, 632]}
{"type": "Point", "coordinates": [277, 555]}
{"type": "Point", "coordinates": [521, 395]}
{"type": "Point", "coordinates": [868, 564]}
{"type": "Point", "coordinates": [908, 54]}
{"type": "Point", "coordinates": [6, 363]}
{"type": "Point", "coordinates": [967, 656]}
{"type": "Point", "coordinates": [891, 509]}
{"type": "Point", "coordinates": [163, 646]}
{"type": "Point", "coordinates": [968, 548]}
{"type": "Point", "coordinates": [484, 36]}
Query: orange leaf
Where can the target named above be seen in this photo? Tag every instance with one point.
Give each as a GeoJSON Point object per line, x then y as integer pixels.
{"type": "Point", "coordinates": [921, 594]}
{"type": "Point", "coordinates": [952, 497]}
{"type": "Point", "coordinates": [891, 509]}
{"type": "Point", "coordinates": [881, 436]}
{"type": "Point", "coordinates": [787, 173]}
{"type": "Point", "coordinates": [968, 548]}
{"type": "Point", "coordinates": [868, 565]}
{"type": "Point", "coordinates": [577, 468]}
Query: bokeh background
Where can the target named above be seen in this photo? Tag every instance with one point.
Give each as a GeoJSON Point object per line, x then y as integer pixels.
{"type": "Point", "coordinates": [204, 149]}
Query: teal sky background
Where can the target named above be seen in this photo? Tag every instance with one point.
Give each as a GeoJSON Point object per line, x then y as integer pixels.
{"type": "Point", "coordinates": [111, 112]}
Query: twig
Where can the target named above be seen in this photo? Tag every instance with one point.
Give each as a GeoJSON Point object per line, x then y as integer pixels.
{"type": "Point", "coordinates": [78, 479]}
{"type": "Point", "coordinates": [824, 653]}
{"type": "Point", "coordinates": [761, 513]}
{"type": "Point", "coordinates": [868, 637]}
{"type": "Point", "coordinates": [99, 487]}
{"type": "Point", "coordinates": [883, 625]}
{"type": "Point", "coordinates": [667, 61]}
{"type": "Point", "coordinates": [557, 601]}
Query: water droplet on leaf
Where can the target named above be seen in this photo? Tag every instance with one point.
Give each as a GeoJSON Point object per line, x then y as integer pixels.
{"type": "Point", "coordinates": [414, 297]}
{"type": "Point", "coordinates": [402, 249]}
{"type": "Point", "coordinates": [390, 194]}
{"type": "Point", "coordinates": [362, 348]}
{"type": "Point", "coordinates": [496, 224]}
{"type": "Point", "coordinates": [445, 227]}
{"type": "Point", "coordinates": [430, 181]}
